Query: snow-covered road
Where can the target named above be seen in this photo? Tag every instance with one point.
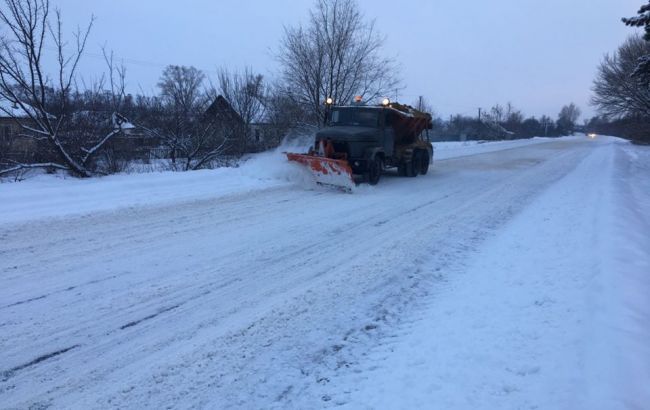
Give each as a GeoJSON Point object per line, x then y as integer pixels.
{"type": "Point", "coordinates": [281, 296]}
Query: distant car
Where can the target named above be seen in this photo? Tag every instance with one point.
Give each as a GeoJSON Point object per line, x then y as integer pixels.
{"type": "Point", "coordinates": [591, 135]}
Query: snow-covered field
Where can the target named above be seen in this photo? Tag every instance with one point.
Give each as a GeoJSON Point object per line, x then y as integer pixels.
{"type": "Point", "coordinates": [511, 276]}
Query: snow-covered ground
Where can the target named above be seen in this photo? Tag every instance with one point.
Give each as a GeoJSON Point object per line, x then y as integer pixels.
{"type": "Point", "coordinates": [508, 277]}
{"type": "Point", "coordinates": [455, 149]}
{"type": "Point", "coordinates": [552, 312]}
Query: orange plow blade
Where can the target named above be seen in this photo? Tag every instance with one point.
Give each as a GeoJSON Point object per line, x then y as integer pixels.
{"type": "Point", "coordinates": [327, 171]}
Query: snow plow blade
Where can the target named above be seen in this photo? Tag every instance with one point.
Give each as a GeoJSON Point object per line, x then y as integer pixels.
{"type": "Point", "coordinates": [327, 171]}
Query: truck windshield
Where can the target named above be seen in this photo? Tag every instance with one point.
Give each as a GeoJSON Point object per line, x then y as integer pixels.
{"type": "Point", "coordinates": [355, 116]}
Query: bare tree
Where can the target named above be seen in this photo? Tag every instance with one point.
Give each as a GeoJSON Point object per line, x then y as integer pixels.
{"type": "Point", "coordinates": [116, 80]}
{"type": "Point", "coordinates": [283, 112]}
{"type": "Point", "coordinates": [497, 114]}
{"type": "Point", "coordinates": [97, 111]}
{"type": "Point", "coordinates": [567, 118]}
{"type": "Point", "coordinates": [617, 92]}
{"type": "Point", "coordinates": [337, 55]}
{"type": "Point", "coordinates": [181, 88]}
{"type": "Point", "coordinates": [180, 91]}
{"type": "Point", "coordinates": [44, 98]}
{"type": "Point", "coordinates": [247, 94]}
{"type": "Point", "coordinates": [510, 111]}
{"type": "Point", "coordinates": [513, 119]}
{"type": "Point", "coordinates": [179, 118]}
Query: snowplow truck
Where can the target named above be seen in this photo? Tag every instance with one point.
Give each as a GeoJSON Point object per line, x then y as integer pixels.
{"type": "Point", "coordinates": [359, 142]}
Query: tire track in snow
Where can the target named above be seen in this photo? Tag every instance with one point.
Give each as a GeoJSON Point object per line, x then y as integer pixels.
{"type": "Point", "coordinates": [68, 289]}
{"type": "Point", "coordinates": [149, 317]}
{"type": "Point", "coordinates": [7, 374]}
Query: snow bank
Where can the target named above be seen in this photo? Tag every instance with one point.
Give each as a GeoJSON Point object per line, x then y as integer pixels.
{"type": "Point", "coordinates": [455, 149]}
{"type": "Point", "coordinates": [617, 362]}
{"type": "Point", "coordinates": [55, 196]}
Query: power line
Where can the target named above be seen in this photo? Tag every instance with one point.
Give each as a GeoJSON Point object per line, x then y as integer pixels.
{"type": "Point", "coordinates": [132, 61]}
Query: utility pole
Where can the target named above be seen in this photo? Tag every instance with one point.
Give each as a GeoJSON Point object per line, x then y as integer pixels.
{"type": "Point", "coordinates": [479, 114]}
{"type": "Point", "coordinates": [545, 127]}
{"type": "Point", "coordinates": [545, 124]}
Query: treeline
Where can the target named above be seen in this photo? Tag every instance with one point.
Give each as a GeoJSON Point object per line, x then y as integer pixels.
{"type": "Point", "coordinates": [505, 122]}
{"type": "Point", "coordinates": [628, 127]}
{"type": "Point", "coordinates": [622, 86]}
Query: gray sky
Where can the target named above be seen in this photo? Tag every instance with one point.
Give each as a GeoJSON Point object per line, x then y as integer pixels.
{"type": "Point", "coordinates": [461, 55]}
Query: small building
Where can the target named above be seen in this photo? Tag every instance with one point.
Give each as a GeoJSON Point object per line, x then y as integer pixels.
{"type": "Point", "coordinates": [133, 142]}
{"type": "Point", "coordinates": [264, 136]}
{"type": "Point", "coordinates": [257, 136]}
{"type": "Point", "coordinates": [230, 125]}
{"type": "Point", "coordinates": [16, 144]}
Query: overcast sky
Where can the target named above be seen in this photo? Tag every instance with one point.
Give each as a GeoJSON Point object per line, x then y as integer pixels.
{"type": "Point", "coordinates": [461, 55]}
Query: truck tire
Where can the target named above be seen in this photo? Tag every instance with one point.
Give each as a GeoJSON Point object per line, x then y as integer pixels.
{"type": "Point", "coordinates": [413, 166]}
{"type": "Point", "coordinates": [424, 162]}
{"type": "Point", "coordinates": [375, 168]}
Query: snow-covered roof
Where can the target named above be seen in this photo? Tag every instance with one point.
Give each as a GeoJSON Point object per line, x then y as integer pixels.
{"type": "Point", "coordinates": [127, 126]}
{"type": "Point", "coordinates": [10, 110]}
{"type": "Point", "coordinates": [120, 121]}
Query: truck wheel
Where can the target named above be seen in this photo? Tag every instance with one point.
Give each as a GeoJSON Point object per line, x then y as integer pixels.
{"type": "Point", "coordinates": [375, 168]}
{"type": "Point", "coordinates": [424, 162]}
{"type": "Point", "coordinates": [413, 166]}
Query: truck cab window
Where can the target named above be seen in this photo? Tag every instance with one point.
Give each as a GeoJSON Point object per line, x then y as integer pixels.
{"type": "Point", "coordinates": [355, 117]}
